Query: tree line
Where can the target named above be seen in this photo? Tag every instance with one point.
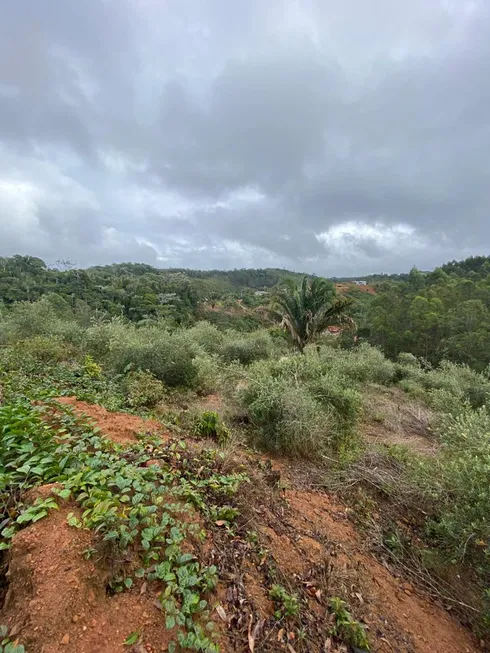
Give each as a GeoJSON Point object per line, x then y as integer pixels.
{"type": "Point", "coordinates": [442, 314]}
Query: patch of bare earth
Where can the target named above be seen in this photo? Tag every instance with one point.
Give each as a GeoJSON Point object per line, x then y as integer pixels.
{"type": "Point", "coordinates": [118, 427]}
{"type": "Point", "coordinates": [57, 599]}
{"type": "Point", "coordinates": [399, 619]}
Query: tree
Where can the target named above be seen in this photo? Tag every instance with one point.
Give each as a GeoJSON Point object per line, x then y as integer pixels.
{"type": "Point", "coordinates": [306, 310]}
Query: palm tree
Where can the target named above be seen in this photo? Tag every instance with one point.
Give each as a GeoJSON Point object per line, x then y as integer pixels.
{"type": "Point", "coordinates": [306, 310]}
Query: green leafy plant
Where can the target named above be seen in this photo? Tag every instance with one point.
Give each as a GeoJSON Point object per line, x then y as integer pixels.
{"type": "Point", "coordinates": [345, 627]}
{"type": "Point", "coordinates": [287, 605]}
{"type": "Point", "coordinates": [91, 368]}
{"type": "Point", "coordinates": [210, 425]}
{"type": "Point", "coordinates": [7, 645]}
{"type": "Point", "coordinates": [131, 507]}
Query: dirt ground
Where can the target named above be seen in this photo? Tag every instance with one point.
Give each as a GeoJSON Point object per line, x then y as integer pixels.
{"type": "Point", "coordinates": [118, 427]}
{"type": "Point", "coordinates": [57, 599]}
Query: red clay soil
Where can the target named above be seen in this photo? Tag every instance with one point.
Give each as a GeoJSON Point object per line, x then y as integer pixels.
{"type": "Point", "coordinates": [118, 427]}
{"type": "Point", "coordinates": [399, 618]}
{"type": "Point", "coordinates": [57, 599]}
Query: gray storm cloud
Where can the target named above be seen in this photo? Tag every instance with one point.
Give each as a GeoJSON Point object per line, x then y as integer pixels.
{"type": "Point", "coordinates": [338, 138]}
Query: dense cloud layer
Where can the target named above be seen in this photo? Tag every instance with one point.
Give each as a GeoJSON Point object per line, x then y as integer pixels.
{"type": "Point", "coordinates": [336, 137]}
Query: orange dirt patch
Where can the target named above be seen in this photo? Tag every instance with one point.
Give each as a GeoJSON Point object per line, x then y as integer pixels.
{"type": "Point", "coordinates": [399, 619]}
{"type": "Point", "coordinates": [57, 600]}
{"type": "Point", "coordinates": [256, 593]}
{"type": "Point", "coordinates": [118, 427]}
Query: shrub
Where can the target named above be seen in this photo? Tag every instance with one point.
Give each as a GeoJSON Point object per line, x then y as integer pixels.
{"type": "Point", "coordinates": [206, 336]}
{"type": "Point", "coordinates": [299, 404]}
{"type": "Point", "coordinates": [334, 392]}
{"type": "Point", "coordinates": [245, 349]}
{"type": "Point", "coordinates": [364, 364]}
{"type": "Point", "coordinates": [413, 388]}
{"type": "Point", "coordinates": [208, 373]}
{"type": "Point", "coordinates": [142, 389]}
{"type": "Point", "coordinates": [210, 425]}
{"type": "Point", "coordinates": [169, 357]}
{"type": "Point", "coordinates": [27, 319]}
{"type": "Point", "coordinates": [457, 482]}
{"type": "Point", "coordinates": [407, 359]}
{"type": "Point", "coordinates": [42, 349]}
{"type": "Point", "coordinates": [287, 419]}
{"type": "Point", "coordinates": [98, 337]}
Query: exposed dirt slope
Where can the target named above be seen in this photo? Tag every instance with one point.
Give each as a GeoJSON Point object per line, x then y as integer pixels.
{"type": "Point", "coordinates": [118, 427]}
{"type": "Point", "coordinates": [57, 599]}
{"type": "Point", "coordinates": [399, 619]}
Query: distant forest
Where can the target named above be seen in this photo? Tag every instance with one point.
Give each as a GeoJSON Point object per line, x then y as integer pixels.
{"type": "Point", "coordinates": [442, 314]}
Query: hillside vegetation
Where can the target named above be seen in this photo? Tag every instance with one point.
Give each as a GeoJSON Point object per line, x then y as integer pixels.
{"type": "Point", "coordinates": [243, 420]}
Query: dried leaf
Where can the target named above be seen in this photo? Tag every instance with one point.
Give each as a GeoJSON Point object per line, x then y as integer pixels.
{"type": "Point", "coordinates": [280, 635]}
{"type": "Point", "coordinates": [290, 648]}
{"type": "Point", "coordinates": [291, 636]}
{"type": "Point", "coordinates": [251, 638]}
{"type": "Point", "coordinates": [221, 613]}
{"type": "Point", "coordinates": [143, 587]}
{"type": "Point", "coordinates": [220, 522]}
{"type": "Point", "coordinates": [359, 596]}
{"type": "Point", "coordinates": [318, 595]}
{"type": "Point", "coordinates": [327, 646]}
{"type": "Point", "coordinates": [252, 633]}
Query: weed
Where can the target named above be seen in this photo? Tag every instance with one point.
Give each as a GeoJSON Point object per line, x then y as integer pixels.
{"type": "Point", "coordinates": [91, 368]}
{"type": "Point", "coordinates": [345, 627]}
{"type": "Point", "coordinates": [210, 425]}
{"type": "Point", "coordinates": [7, 645]}
{"type": "Point", "coordinates": [287, 605]}
{"type": "Point", "coordinates": [130, 506]}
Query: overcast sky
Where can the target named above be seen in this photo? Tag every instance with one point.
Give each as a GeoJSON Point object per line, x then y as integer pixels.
{"type": "Point", "coordinates": [336, 137]}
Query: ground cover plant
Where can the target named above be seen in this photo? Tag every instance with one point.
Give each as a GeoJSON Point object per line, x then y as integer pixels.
{"type": "Point", "coordinates": [228, 388]}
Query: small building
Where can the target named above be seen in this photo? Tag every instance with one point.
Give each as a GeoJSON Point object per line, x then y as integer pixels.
{"type": "Point", "coordinates": [260, 293]}
{"type": "Point", "coordinates": [360, 282]}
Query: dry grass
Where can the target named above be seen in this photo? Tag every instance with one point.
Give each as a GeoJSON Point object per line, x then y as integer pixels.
{"type": "Point", "coordinates": [391, 418]}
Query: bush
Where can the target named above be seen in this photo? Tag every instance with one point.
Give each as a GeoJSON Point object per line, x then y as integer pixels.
{"type": "Point", "coordinates": [98, 337]}
{"type": "Point", "coordinates": [42, 349]}
{"type": "Point", "coordinates": [208, 373]}
{"type": "Point", "coordinates": [142, 389]}
{"type": "Point", "coordinates": [364, 364]}
{"type": "Point", "coordinates": [169, 357]}
{"type": "Point", "coordinates": [298, 405]}
{"type": "Point", "coordinates": [208, 337]}
{"type": "Point", "coordinates": [30, 319]}
{"type": "Point", "coordinates": [458, 483]}
{"type": "Point", "coordinates": [245, 349]}
{"type": "Point", "coordinates": [287, 419]}
{"type": "Point", "coordinates": [407, 359]}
